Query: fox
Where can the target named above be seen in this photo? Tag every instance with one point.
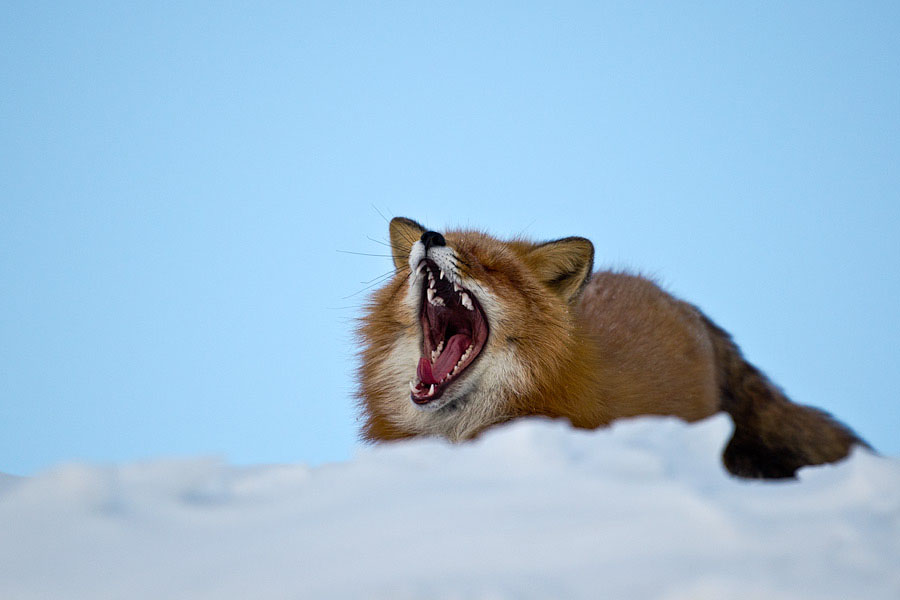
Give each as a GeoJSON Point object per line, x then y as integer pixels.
{"type": "Point", "coordinates": [472, 331]}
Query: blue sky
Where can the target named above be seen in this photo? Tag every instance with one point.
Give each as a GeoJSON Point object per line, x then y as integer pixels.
{"type": "Point", "coordinates": [180, 186]}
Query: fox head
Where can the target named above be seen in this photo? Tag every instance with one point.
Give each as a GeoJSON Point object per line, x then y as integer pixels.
{"type": "Point", "coordinates": [469, 332]}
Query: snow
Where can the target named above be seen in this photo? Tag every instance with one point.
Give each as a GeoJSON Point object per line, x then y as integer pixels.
{"type": "Point", "coordinates": [532, 510]}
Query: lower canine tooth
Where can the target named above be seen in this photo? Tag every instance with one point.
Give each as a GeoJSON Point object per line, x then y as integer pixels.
{"type": "Point", "coordinates": [431, 390]}
{"type": "Point", "coordinates": [466, 301]}
{"type": "Point", "coordinates": [412, 386]}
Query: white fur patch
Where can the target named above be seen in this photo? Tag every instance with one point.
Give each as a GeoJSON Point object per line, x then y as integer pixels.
{"type": "Point", "coordinates": [444, 258]}
{"type": "Point", "coordinates": [416, 254]}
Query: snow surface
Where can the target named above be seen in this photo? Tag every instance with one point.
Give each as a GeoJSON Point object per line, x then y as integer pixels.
{"type": "Point", "coordinates": [532, 510]}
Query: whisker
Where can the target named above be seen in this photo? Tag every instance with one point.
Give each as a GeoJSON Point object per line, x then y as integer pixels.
{"type": "Point", "coordinates": [463, 267]}
{"type": "Point", "coordinates": [361, 291]}
{"type": "Point", "coordinates": [375, 208]}
{"type": "Point", "coordinates": [384, 276]}
{"type": "Point", "coordinates": [407, 238]}
{"type": "Point", "coordinates": [384, 244]}
{"type": "Point", "coordinates": [458, 259]}
{"type": "Point", "coordinates": [380, 279]}
{"type": "Point", "coordinates": [387, 275]}
{"type": "Point", "coordinates": [368, 254]}
{"type": "Point", "coordinates": [385, 321]}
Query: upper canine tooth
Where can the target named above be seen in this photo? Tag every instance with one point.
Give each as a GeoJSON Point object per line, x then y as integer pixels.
{"type": "Point", "coordinates": [442, 274]}
{"type": "Point", "coordinates": [456, 288]}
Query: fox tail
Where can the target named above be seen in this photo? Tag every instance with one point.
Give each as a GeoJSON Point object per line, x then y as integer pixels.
{"type": "Point", "coordinates": [773, 437]}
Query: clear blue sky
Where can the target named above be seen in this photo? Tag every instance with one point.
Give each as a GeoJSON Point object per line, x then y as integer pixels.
{"type": "Point", "coordinates": [177, 182]}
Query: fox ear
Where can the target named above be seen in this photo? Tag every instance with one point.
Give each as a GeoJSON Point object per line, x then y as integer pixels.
{"type": "Point", "coordinates": [563, 265]}
{"type": "Point", "coordinates": [404, 233]}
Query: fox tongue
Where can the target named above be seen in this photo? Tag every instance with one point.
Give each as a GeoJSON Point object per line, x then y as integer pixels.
{"type": "Point", "coordinates": [454, 350]}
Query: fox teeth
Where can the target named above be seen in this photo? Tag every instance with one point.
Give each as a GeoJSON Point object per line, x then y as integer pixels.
{"type": "Point", "coordinates": [466, 301]}
{"type": "Point", "coordinates": [466, 354]}
{"type": "Point", "coordinates": [459, 363]}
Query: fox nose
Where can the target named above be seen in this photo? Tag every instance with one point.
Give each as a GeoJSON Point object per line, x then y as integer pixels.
{"type": "Point", "coordinates": [433, 238]}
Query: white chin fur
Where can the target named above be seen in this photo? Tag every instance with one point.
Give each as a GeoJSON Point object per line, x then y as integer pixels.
{"type": "Point", "coordinates": [432, 406]}
{"type": "Point", "coordinates": [416, 254]}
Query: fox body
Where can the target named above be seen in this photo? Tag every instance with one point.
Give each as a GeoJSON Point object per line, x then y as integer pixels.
{"type": "Point", "coordinates": [472, 331]}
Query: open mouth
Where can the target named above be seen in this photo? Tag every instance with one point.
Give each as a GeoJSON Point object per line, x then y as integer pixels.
{"type": "Point", "coordinates": [454, 329]}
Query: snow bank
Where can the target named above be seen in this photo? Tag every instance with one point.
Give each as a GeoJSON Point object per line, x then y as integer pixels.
{"type": "Point", "coordinates": [533, 510]}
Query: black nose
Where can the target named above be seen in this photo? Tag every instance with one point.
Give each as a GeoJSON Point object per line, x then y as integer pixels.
{"type": "Point", "coordinates": [433, 238]}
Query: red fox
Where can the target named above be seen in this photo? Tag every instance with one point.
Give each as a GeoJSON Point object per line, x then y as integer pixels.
{"type": "Point", "coordinates": [473, 331]}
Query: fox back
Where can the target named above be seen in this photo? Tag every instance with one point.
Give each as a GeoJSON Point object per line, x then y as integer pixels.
{"type": "Point", "coordinates": [472, 331]}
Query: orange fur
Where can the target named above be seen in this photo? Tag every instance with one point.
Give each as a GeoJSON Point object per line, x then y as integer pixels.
{"type": "Point", "coordinates": [567, 344]}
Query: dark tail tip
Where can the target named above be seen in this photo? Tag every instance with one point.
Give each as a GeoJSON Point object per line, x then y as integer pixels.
{"type": "Point", "coordinates": [777, 444]}
{"type": "Point", "coordinates": [747, 456]}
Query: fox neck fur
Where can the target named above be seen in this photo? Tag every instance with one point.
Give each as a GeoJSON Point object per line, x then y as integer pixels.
{"type": "Point", "coordinates": [472, 331]}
